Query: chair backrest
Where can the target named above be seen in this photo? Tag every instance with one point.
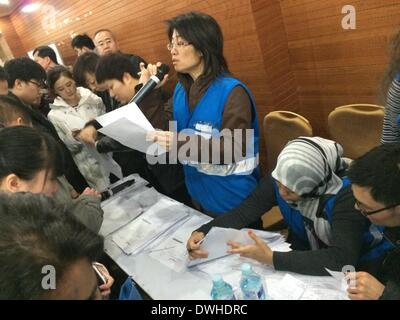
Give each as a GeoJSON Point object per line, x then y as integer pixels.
{"type": "Point", "coordinates": [279, 128]}
{"type": "Point", "coordinates": [357, 127]}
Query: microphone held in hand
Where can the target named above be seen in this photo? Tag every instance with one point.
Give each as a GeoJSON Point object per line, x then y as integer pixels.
{"type": "Point", "coordinates": [151, 84]}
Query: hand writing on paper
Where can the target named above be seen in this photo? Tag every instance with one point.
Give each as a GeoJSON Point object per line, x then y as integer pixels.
{"type": "Point", "coordinates": [151, 70]}
{"type": "Point", "coordinates": [366, 287]}
{"type": "Point", "coordinates": [164, 138]}
{"type": "Point", "coordinates": [258, 251]}
{"type": "Point", "coordinates": [193, 246]}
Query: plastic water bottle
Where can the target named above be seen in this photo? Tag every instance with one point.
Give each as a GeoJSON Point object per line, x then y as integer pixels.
{"type": "Point", "coordinates": [221, 290]}
{"type": "Point", "coordinates": [251, 284]}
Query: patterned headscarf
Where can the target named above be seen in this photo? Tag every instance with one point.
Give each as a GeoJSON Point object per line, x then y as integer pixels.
{"type": "Point", "coordinates": [309, 167]}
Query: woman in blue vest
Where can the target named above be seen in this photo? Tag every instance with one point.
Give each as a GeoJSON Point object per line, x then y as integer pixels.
{"type": "Point", "coordinates": [326, 231]}
{"type": "Point", "coordinates": [208, 102]}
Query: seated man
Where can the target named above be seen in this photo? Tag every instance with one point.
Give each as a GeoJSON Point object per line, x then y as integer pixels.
{"type": "Point", "coordinates": [375, 181]}
{"type": "Point", "coordinates": [44, 253]}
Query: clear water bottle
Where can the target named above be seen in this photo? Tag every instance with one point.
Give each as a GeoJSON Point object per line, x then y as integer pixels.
{"type": "Point", "coordinates": [251, 284]}
{"type": "Point", "coordinates": [221, 290]}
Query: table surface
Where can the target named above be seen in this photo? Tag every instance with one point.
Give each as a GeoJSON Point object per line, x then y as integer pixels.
{"type": "Point", "coordinates": [161, 269]}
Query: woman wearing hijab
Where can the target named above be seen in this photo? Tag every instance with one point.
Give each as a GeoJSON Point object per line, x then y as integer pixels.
{"type": "Point", "coordinates": [325, 229]}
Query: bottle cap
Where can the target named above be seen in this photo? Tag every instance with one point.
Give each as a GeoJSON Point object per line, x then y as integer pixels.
{"type": "Point", "coordinates": [217, 278]}
{"type": "Point", "coordinates": [245, 267]}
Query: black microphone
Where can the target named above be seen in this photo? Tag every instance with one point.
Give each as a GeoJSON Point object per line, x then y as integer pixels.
{"type": "Point", "coordinates": [151, 84]}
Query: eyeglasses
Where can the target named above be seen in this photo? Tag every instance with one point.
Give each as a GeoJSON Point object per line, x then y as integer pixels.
{"type": "Point", "coordinates": [178, 45]}
{"type": "Point", "coordinates": [366, 213]}
{"type": "Point", "coordinates": [40, 85]}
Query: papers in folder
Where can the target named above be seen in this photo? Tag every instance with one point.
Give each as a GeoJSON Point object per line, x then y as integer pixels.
{"type": "Point", "coordinates": [152, 224]}
{"type": "Point", "coordinates": [129, 126]}
{"type": "Point", "coordinates": [217, 238]}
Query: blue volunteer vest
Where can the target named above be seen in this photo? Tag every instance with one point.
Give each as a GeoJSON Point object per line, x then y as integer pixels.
{"type": "Point", "coordinates": [374, 245]}
{"type": "Point", "coordinates": [217, 188]}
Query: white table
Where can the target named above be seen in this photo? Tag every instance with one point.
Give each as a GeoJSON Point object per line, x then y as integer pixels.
{"type": "Point", "coordinates": [164, 276]}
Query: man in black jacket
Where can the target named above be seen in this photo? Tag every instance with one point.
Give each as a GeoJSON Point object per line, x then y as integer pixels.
{"type": "Point", "coordinates": [375, 182]}
{"type": "Point", "coordinates": [26, 81]}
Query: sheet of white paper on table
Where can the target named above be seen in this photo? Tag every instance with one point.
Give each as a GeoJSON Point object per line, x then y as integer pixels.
{"type": "Point", "coordinates": [131, 112]}
{"type": "Point", "coordinates": [289, 288]}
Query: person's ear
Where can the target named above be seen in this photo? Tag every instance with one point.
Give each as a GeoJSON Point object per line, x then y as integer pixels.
{"type": "Point", "coordinates": [20, 121]}
{"type": "Point", "coordinates": [47, 60]}
{"type": "Point", "coordinates": [18, 84]}
{"type": "Point", "coordinates": [127, 78]}
{"type": "Point", "coordinates": [11, 183]}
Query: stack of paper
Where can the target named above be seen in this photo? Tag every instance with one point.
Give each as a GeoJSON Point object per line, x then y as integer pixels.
{"type": "Point", "coordinates": [152, 224]}
{"type": "Point", "coordinates": [123, 208]}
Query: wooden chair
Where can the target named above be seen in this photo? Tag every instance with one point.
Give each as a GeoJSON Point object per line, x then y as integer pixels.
{"type": "Point", "coordinates": [357, 127]}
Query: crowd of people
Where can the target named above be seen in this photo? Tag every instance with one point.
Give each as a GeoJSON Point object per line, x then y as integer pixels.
{"type": "Point", "coordinates": [54, 164]}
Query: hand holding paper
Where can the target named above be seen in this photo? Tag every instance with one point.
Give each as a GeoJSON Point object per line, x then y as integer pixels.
{"type": "Point", "coordinates": [258, 250]}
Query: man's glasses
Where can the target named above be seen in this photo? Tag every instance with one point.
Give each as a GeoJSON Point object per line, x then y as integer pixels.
{"type": "Point", "coordinates": [40, 85]}
{"type": "Point", "coordinates": [368, 213]}
{"type": "Point", "coordinates": [178, 45]}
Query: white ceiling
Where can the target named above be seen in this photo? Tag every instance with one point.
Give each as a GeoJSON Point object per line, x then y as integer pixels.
{"type": "Point", "coordinates": [6, 10]}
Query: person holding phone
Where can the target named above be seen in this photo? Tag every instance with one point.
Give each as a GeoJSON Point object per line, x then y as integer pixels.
{"type": "Point", "coordinates": [104, 279]}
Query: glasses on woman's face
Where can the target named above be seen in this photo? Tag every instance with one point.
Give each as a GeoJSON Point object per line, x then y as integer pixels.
{"type": "Point", "coordinates": [178, 45]}
{"type": "Point", "coordinates": [365, 213]}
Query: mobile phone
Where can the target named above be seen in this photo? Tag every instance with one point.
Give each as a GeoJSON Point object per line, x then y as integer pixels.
{"type": "Point", "coordinates": [110, 192]}
{"type": "Point", "coordinates": [100, 278]}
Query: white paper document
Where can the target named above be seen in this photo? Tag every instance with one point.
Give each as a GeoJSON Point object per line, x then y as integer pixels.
{"type": "Point", "coordinates": [132, 135]}
{"type": "Point", "coordinates": [289, 288]}
{"type": "Point", "coordinates": [131, 112]}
